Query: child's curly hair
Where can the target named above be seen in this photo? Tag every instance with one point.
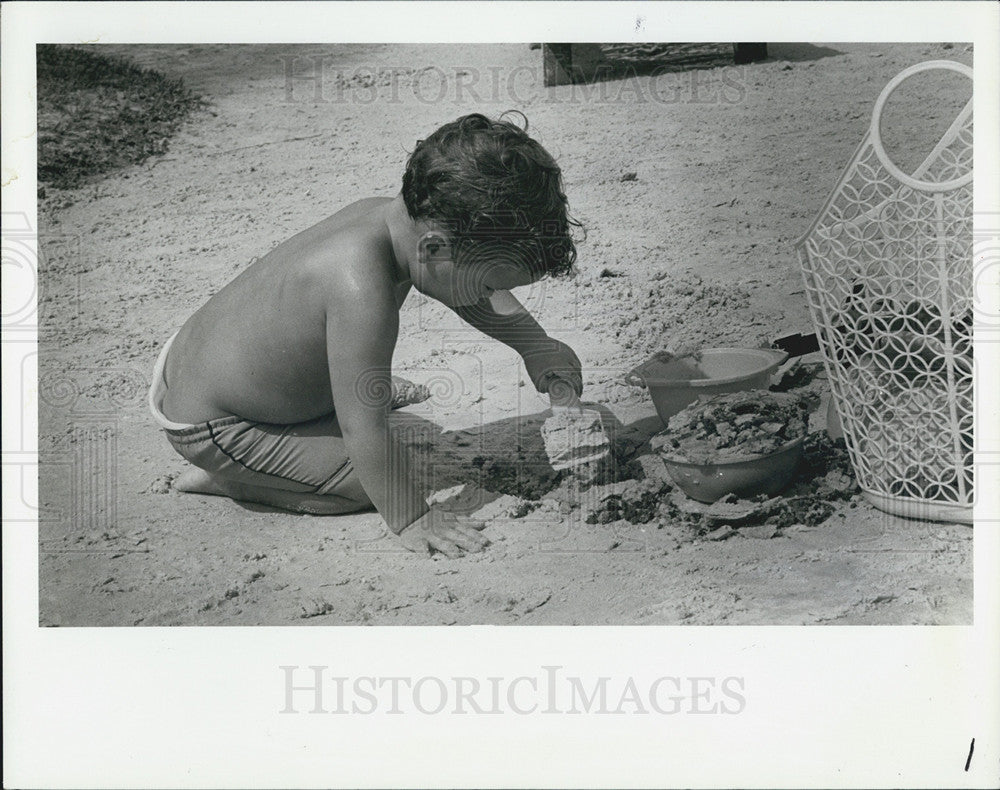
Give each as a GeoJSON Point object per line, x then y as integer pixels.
{"type": "Point", "coordinates": [490, 184]}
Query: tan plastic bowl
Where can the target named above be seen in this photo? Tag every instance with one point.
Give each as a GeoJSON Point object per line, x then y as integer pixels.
{"type": "Point", "coordinates": [675, 382]}
{"type": "Point", "coordinates": [766, 474]}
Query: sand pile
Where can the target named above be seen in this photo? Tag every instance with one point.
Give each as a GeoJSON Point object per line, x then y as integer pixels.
{"type": "Point", "coordinates": [824, 478]}
{"type": "Point", "coordinates": [734, 427]}
{"type": "Point", "coordinates": [641, 493]}
{"type": "Point", "coordinates": [529, 479]}
{"type": "Point", "coordinates": [636, 501]}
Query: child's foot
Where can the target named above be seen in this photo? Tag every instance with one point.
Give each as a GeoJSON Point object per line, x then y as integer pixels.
{"type": "Point", "coordinates": [406, 393]}
{"type": "Point", "coordinates": [198, 481]}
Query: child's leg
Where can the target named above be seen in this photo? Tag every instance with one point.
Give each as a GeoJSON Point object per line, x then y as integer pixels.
{"type": "Point", "coordinates": [303, 468]}
{"type": "Point", "coordinates": [198, 481]}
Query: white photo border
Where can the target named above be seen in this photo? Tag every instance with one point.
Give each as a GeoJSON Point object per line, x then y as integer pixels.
{"type": "Point", "coordinates": [200, 707]}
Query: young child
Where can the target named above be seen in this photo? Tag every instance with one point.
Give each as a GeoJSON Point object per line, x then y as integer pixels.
{"type": "Point", "coordinates": [278, 389]}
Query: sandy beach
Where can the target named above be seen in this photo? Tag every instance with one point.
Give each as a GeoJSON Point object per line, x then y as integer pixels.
{"type": "Point", "coordinates": [693, 186]}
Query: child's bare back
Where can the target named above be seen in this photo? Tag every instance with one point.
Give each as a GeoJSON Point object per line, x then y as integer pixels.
{"type": "Point", "coordinates": [278, 389]}
{"type": "Point", "coordinates": [258, 347]}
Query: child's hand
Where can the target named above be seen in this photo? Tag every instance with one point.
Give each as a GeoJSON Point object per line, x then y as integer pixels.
{"type": "Point", "coordinates": [439, 530]}
{"type": "Point", "coordinates": [553, 362]}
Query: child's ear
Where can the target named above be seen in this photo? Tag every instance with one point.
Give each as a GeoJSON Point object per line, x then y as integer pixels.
{"type": "Point", "coordinates": [434, 248]}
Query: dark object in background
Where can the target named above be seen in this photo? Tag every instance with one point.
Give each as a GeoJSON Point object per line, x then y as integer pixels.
{"type": "Point", "coordinates": [749, 53]}
{"type": "Point", "coordinates": [797, 345]}
{"type": "Point", "coordinates": [566, 64]}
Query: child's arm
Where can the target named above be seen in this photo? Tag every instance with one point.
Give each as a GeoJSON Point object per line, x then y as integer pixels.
{"type": "Point", "coordinates": [504, 318]}
{"type": "Point", "coordinates": [360, 340]}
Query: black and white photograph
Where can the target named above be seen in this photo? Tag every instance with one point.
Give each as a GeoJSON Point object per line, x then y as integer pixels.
{"type": "Point", "coordinates": [464, 333]}
{"type": "Point", "coordinates": [554, 334]}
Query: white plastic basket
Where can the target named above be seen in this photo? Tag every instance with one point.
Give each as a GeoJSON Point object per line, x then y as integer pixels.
{"type": "Point", "coordinates": [887, 266]}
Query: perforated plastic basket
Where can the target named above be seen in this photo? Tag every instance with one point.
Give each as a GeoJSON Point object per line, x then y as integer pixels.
{"type": "Point", "coordinates": [887, 265]}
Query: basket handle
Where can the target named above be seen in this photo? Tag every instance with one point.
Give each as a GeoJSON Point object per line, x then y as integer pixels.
{"type": "Point", "coordinates": [876, 136]}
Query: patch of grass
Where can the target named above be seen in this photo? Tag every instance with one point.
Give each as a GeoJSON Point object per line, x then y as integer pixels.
{"type": "Point", "coordinates": [97, 114]}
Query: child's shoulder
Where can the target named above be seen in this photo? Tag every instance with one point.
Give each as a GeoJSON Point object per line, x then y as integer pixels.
{"type": "Point", "coordinates": [351, 251]}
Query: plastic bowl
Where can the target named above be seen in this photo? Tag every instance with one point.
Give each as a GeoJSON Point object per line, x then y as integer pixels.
{"type": "Point", "coordinates": [675, 382]}
{"type": "Point", "coordinates": [765, 474]}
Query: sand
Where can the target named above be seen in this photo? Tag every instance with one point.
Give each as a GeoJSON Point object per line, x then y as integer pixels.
{"type": "Point", "coordinates": [696, 250]}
